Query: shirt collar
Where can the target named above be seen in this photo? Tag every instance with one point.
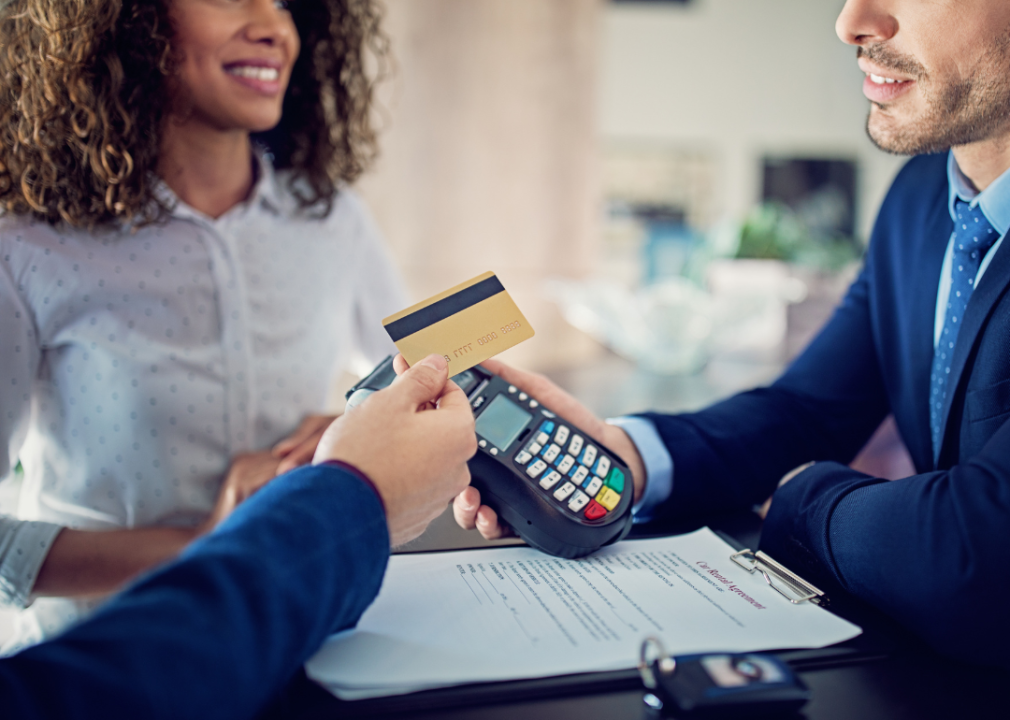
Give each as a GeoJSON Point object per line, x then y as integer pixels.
{"type": "Point", "coordinates": [994, 201]}
{"type": "Point", "coordinates": [265, 193]}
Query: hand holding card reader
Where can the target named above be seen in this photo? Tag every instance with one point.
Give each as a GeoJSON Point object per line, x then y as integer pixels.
{"type": "Point", "coordinates": [562, 492]}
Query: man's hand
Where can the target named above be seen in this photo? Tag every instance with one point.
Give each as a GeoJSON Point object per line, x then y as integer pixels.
{"type": "Point", "coordinates": [468, 511]}
{"type": "Point", "coordinates": [412, 440]}
{"type": "Point", "coordinates": [298, 448]}
{"type": "Point", "coordinates": [248, 473]}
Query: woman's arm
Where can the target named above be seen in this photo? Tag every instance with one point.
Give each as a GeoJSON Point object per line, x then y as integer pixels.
{"type": "Point", "coordinates": [88, 562]}
{"type": "Point", "coordinates": [91, 563]}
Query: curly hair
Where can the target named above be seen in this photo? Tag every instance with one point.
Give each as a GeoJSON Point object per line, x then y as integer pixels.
{"type": "Point", "coordinates": [83, 96]}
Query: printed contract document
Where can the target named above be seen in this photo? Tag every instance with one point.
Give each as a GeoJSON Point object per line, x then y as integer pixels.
{"type": "Point", "coordinates": [504, 614]}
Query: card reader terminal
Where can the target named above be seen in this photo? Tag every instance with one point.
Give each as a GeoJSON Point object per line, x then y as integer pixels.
{"type": "Point", "coordinates": [560, 490]}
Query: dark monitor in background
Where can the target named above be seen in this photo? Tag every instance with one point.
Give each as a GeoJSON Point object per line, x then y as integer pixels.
{"type": "Point", "coordinates": [822, 192]}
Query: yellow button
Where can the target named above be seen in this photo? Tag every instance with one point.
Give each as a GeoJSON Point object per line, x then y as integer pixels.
{"type": "Point", "coordinates": [608, 498]}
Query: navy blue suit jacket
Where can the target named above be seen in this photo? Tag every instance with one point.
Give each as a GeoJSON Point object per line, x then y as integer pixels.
{"type": "Point", "coordinates": [219, 632]}
{"type": "Point", "coordinates": [932, 549]}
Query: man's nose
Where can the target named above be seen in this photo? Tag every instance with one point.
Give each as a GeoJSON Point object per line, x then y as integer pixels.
{"type": "Point", "coordinates": [866, 22]}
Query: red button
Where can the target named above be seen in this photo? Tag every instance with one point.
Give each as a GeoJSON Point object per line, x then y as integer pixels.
{"type": "Point", "coordinates": [595, 511]}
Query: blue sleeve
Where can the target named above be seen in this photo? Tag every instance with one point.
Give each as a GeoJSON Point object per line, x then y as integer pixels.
{"type": "Point", "coordinates": [217, 633]}
{"type": "Point", "coordinates": [657, 461]}
{"type": "Point", "coordinates": [825, 407]}
{"type": "Point", "coordinates": [929, 550]}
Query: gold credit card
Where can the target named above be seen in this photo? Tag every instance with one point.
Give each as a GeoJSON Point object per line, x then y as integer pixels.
{"type": "Point", "coordinates": [466, 324]}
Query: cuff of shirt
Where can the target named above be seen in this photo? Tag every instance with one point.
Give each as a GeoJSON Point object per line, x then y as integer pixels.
{"type": "Point", "coordinates": [24, 546]}
{"type": "Point", "coordinates": [657, 461]}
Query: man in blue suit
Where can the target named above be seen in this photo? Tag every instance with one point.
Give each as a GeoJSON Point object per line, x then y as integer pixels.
{"type": "Point", "coordinates": [924, 333]}
{"type": "Point", "coordinates": [218, 632]}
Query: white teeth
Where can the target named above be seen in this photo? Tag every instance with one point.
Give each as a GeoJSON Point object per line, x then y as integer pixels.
{"type": "Point", "coordinates": [882, 80]}
{"type": "Point", "coordinates": [256, 73]}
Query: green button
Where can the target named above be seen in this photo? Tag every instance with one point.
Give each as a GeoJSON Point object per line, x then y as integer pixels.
{"type": "Point", "coordinates": [616, 480]}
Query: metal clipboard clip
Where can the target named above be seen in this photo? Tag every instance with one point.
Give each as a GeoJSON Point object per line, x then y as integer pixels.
{"type": "Point", "coordinates": [786, 583]}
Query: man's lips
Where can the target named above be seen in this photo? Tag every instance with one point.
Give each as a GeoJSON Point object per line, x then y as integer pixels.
{"type": "Point", "coordinates": [879, 89]}
{"type": "Point", "coordinates": [882, 86]}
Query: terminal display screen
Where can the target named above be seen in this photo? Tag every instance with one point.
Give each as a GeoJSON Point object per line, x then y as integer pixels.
{"type": "Point", "coordinates": [502, 422]}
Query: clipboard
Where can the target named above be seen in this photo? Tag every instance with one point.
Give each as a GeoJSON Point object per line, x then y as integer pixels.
{"type": "Point", "coordinates": [780, 578]}
{"type": "Point", "coordinates": [789, 585]}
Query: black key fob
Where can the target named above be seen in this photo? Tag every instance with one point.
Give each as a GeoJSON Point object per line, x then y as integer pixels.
{"type": "Point", "coordinates": [719, 685]}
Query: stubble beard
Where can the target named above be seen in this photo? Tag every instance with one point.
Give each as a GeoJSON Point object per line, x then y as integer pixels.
{"type": "Point", "coordinates": [957, 113]}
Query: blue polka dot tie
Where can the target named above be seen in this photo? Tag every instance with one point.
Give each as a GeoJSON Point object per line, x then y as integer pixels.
{"type": "Point", "coordinates": [973, 236]}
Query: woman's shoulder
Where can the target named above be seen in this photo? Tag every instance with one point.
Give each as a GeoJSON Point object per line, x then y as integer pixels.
{"type": "Point", "coordinates": [24, 231]}
{"type": "Point", "coordinates": [28, 231]}
{"type": "Point", "coordinates": [29, 242]}
{"type": "Point", "coordinates": [351, 212]}
{"type": "Point", "coordinates": [10, 224]}
{"type": "Point", "coordinates": [348, 207]}
{"type": "Point", "coordinates": [347, 213]}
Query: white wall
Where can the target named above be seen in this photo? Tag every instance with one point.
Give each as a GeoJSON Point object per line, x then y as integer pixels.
{"type": "Point", "coordinates": [490, 150]}
{"type": "Point", "coordinates": [742, 78]}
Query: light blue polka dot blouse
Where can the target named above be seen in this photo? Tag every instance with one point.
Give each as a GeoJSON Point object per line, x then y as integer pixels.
{"type": "Point", "coordinates": [135, 365]}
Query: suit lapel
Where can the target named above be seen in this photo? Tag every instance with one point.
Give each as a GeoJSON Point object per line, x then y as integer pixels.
{"type": "Point", "coordinates": [926, 277]}
{"type": "Point", "coordinates": [990, 289]}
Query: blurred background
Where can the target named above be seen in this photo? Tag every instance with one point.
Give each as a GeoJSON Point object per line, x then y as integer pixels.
{"type": "Point", "coordinates": [676, 193]}
{"type": "Point", "coordinates": [663, 181]}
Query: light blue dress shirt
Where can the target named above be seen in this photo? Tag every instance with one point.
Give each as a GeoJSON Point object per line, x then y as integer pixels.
{"type": "Point", "coordinates": [657, 460]}
{"type": "Point", "coordinates": [995, 204]}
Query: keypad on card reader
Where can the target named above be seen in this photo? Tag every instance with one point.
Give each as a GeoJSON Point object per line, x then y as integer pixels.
{"type": "Point", "coordinates": [560, 490]}
{"type": "Point", "coordinates": [572, 470]}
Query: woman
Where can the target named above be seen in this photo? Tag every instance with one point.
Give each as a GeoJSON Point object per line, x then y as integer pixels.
{"type": "Point", "coordinates": [181, 268]}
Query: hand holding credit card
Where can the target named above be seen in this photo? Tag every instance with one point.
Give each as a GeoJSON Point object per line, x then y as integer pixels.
{"type": "Point", "coordinates": [466, 324]}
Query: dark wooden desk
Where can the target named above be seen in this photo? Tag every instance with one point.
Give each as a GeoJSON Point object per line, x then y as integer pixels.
{"type": "Point", "coordinates": [903, 679]}
{"type": "Point", "coordinates": [907, 687]}
{"type": "Point", "coordinates": [892, 677]}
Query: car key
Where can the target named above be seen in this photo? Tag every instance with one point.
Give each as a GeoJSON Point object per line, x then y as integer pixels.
{"type": "Point", "coordinates": [719, 685]}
